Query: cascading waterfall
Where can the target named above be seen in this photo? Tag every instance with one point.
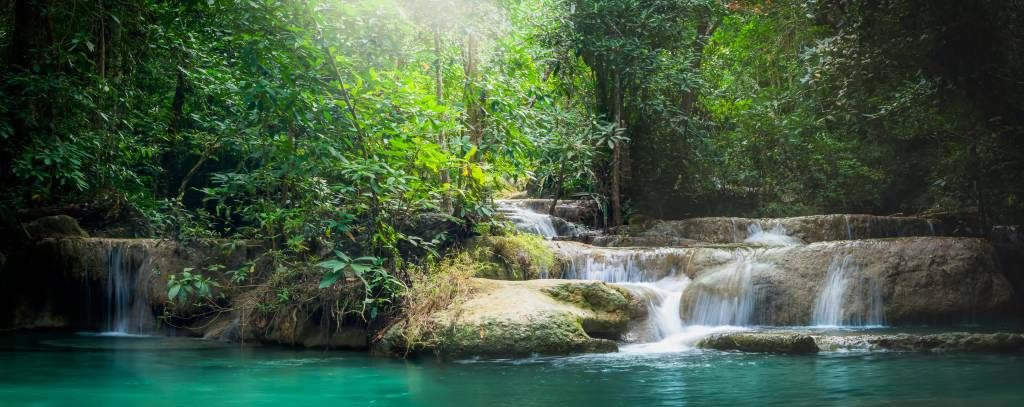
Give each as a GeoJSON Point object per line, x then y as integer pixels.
{"type": "Point", "coordinates": [732, 299]}
{"type": "Point", "coordinates": [127, 312]}
{"type": "Point", "coordinates": [833, 305]}
{"type": "Point", "coordinates": [776, 236]}
{"type": "Point", "coordinates": [528, 221]}
{"type": "Point", "coordinates": [624, 265]}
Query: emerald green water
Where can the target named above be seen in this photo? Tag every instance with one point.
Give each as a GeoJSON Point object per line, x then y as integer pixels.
{"type": "Point", "coordinates": [74, 371]}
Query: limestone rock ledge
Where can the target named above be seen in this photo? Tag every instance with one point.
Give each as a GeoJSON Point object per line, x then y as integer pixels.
{"type": "Point", "coordinates": [797, 343]}
{"type": "Point", "coordinates": [781, 342]}
{"type": "Point", "coordinates": [520, 318]}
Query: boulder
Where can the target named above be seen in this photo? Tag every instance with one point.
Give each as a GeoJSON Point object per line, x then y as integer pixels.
{"type": "Point", "coordinates": [781, 342]}
{"type": "Point", "coordinates": [519, 318]}
{"type": "Point", "coordinates": [516, 257]}
{"type": "Point", "coordinates": [56, 226]}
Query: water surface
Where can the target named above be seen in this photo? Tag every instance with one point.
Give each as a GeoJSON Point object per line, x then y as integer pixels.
{"type": "Point", "coordinates": [78, 370]}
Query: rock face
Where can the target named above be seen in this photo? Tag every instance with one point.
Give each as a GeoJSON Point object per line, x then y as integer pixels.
{"type": "Point", "coordinates": [56, 226]}
{"type": "Point", "coordinates": [521, 318]}
{"type": "Point", "coordinates": [288, 328]}
{"type": "Point", "coordinates": [891, 281]}
{"type": "Point", "coordinates": [788, 343]}
{"type": "Point", "coordinates": [959, 342]}
{"type": "Point", "coordinates": [67, 282]}
{"type": "Point", "coordinates": [913, 280]}
{"type": "Point", "coordinates": [810, 229]}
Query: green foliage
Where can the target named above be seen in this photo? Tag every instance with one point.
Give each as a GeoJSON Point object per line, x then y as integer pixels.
{"type": "Point", "coordinates": [187, 285]}
{"type": "Point", "coordinates": [381, 288]}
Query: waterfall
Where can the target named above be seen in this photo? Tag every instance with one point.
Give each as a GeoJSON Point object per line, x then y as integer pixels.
{"type": "Point", "coordinates": [849, 230]}
{"type": "Point", "coordinates": [833, 305]}
{"type": "Point", "coordinates": [527, 220]}
{"type": "Point", "coordinates": [624, 265]}
{"type": "Point", "coordinates": [127, 311]}
{"type": "Point", "coordinates": [776, 236]}
{"type": "Point", "coordinates": [725, 296]}
{"type": "Point", "coordinates": [663, 298]}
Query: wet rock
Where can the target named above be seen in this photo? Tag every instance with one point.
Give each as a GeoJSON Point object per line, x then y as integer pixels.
{"type": "Point", "coordinates": [519, 318]}
{"type": "Point", "coordinates": [809, 229]}
{"type": "Point", "coordinates": [954, 342]}
{"type": "Point", "coordinates": [916, 280]}
{"type": "Point", "coordinates": [788, 343]}
{"type": "Point", "coordinates": [639, 241]}
{"type": "Point", "coordinates": [56, 226]}
{"type": "Point", "coordinates": [63, 283]}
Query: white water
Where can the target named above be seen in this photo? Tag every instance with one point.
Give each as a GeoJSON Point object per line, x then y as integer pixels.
{"type": "Point", "coordinates": [624, 265]}
{"type": "Point", "coordinates": [127, 311]}
{"type": "Point", "coordinates": [528, 221]}
{"type": "Point", "coordinates": [849, 230]}
{"type": "Point", "coordinates": [833, 305]}
{"type": "Point", "coordinates": [652, 274]}
{"type": "Point", "coordinates": [776, 236]}
{"type": "Point", "coordinates": [726, 295]}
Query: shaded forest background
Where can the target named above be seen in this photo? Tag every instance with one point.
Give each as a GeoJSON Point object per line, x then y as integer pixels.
{"type": "Point", "coordinates": [332, 123]}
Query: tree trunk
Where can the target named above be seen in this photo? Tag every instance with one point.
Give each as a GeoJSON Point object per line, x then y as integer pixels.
{"type": "Point", "coordinates": [616, 198]}
{"type": "Point", "coordinates": [474, 111]}
{"type": "Point", "coordinates": [446, 203]}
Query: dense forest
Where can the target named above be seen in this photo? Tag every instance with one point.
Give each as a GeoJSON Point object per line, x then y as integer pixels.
{"type": "Point", "coordinates": [368, 136]}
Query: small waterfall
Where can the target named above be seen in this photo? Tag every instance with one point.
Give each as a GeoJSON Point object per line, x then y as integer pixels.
{"type": "Point", "coordinates": [776, 236]}
{"type": "Point", "coordinates": [624, 265]}
{"type": "Point", "coordinates": [726, 296]}
{"type": "Point", "coordinates": [663, 305]}
{"type": "Point", "coordinates": [833, 305]}
{"type": "Point", "coordinates": [127, 311]}
{"type": "Point", "coordinates": [849, 230]}
{"type": "Point", "coordinates": [527, 220]}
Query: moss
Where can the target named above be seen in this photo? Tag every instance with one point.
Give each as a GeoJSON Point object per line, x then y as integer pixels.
{"type": "Point", "coordinates": [515, 257]}
{"type": "Point", "coordinates": [790, 343]}
{"type": "Point", "coordinates": [592, 295]}
{"type": "Point", "coordinates": [547, 335]}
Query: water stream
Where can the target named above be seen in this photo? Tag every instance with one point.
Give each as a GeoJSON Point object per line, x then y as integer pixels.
{"type": "Point", "coordinates": [833, 305]}
{"type": "Point", "coordinates": [725, 299]}
{"type": "Point", "coordinates": [127, 310]}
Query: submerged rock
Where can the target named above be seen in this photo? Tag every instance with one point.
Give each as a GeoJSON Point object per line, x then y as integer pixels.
{"type": "Point", "coordinates": [954, 342]}
{"type": "Point", "coordinates": [520, 318]}
{"type": "Point", "coordinates": [789, 343]}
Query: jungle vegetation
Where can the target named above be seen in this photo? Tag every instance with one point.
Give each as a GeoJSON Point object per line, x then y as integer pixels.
{"type": "Point", "coordinates": [367, 136]}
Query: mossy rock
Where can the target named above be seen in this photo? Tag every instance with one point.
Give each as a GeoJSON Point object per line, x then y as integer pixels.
{"type": "Point", "coordinates": [518, 318]}
{"type": "Point", "coordinates": [593, 295]}
{"type": "Point", "coordinates": [539, 335]}
{"type": "Point", "coordinates": [516, 257]}
{"type": "Point", "coordinates": [788, 343]}
{"type": "Point", "coordinates": [56, 226]}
